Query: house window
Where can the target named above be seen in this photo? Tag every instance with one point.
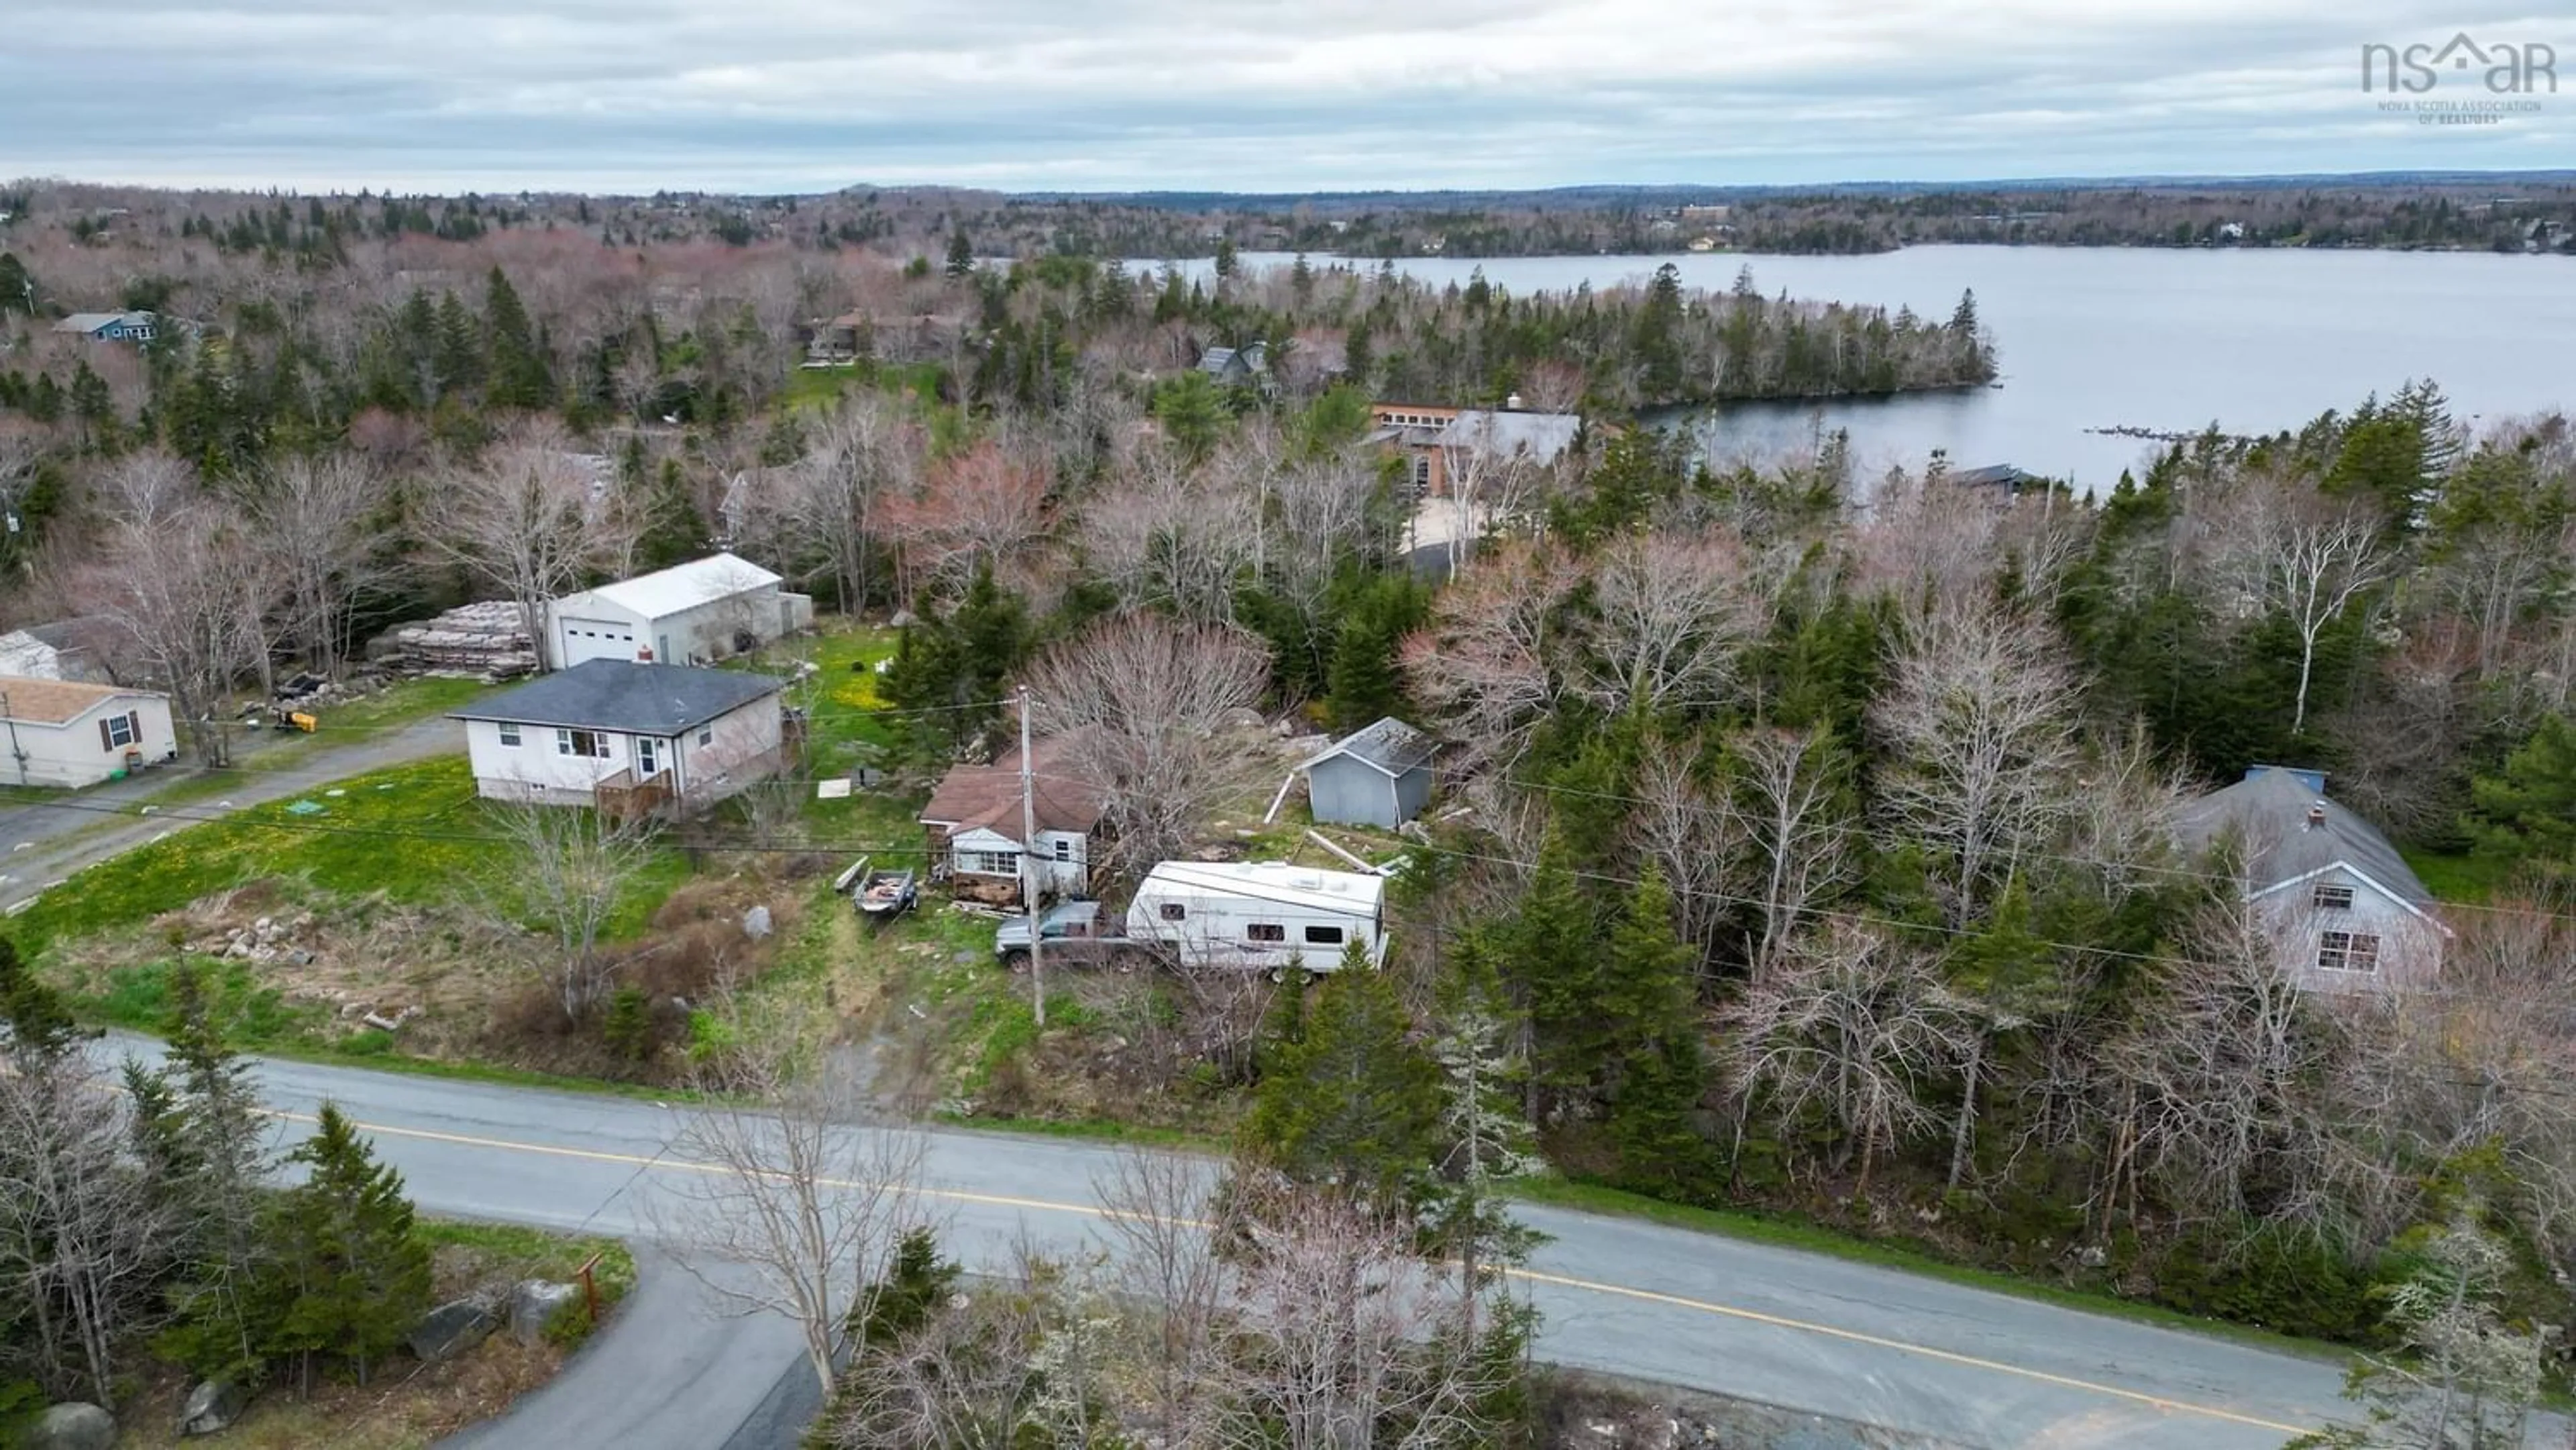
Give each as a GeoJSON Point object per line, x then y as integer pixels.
{"type": "Point", "coordinates": [1323, 936]}
{"type": "Point", "coordinates": [1174, 911]}
{"type": "Point", "coordinates": [120, 731]}
{"type": "Point", "coordinates": [993, 863]}
{"type": "Point", "coordinates": [2334, 898]}
{"type": "Point", "coordinates": [707, 736]}
{"type": "Point", "coordinates": [510, 736]}
{"type": "Point", "coordinates": [2347, 951]}
{"type": "Point", "coordinates": [588, 744]}
{"type": "Point", "coordinates": [1063, 848]}
{"type": "Point", "coordinates": [1264, 931]}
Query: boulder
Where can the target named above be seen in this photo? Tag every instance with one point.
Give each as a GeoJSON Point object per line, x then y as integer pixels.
{"type": "Point", "coordinates": [449, 1330]}
{"type": "Point", "coordinates": [73, 1427]}
{"type": "Point", "coordinates": [756, 923]}
{"type": "Point", "coordinates": [535, 1305]}
{"type": "Point", "coordinates": [212, 1407]}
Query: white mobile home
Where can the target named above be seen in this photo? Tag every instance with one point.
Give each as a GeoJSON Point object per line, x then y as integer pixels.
{"type": "Point", "coordinates": [1262, 915]}
{"type": "Point", "coordinates": [60, 732]}
{"type": "Point", "coordinates": [688, 614]}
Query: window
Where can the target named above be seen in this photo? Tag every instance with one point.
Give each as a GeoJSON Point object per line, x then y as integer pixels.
{"type": "Point", "coordinates": [2334, 898]}
{"type": "Point", "coordinates": [120, 731]}
{"type": "Point", "coordinates": [1063, 848]}
{"type": "Point", "coordinates": [2347, 951]}
{"type": "Point", "coordinates": [1264, 931]}
{"type": "Point", "coordinates": [1173, 911]}
{"type": "Point", "coordinates": [707, 736]}
{"type": "Point", "coordinates": [510, 735]}
{"type": "Point", "coordinates": [993, 863]}
{"type": "Point", "coordinates": [1323, 936]}
{"type": "Point", "coordinates": [588, 744]}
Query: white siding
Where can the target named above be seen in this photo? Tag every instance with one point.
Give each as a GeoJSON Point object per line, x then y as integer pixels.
{"type": "Point", "coordinates": [739, 748]}
{"type": "Point", "coordinates": [2326, 946]}
{"type": "Point", "coordinates": [589, 626]}
{"type": "Point", "coordinates": [1063, 858]}
{"type": "Point", "coordinates": [73, 754]}
{"type": "Point", "coordinates": [537, 766]}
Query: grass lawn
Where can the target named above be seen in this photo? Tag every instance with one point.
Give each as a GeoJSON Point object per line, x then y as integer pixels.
{"type": "Point", "coordinates": [2461, 877]}
{"type": "Point", "coordinates": [404, 703]}
{"type": "Point", "coordinates": [1811, 1238]}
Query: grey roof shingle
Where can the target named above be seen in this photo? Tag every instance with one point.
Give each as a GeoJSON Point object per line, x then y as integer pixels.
{"type": "Point", "coordinates": [629, 698]}
{"type": "Point", "coordinates": [2268, 812]}
{"type": "Point", "coordinates": [1543, 436]}
{"type": "Point", "coordinates": [1390, 745]}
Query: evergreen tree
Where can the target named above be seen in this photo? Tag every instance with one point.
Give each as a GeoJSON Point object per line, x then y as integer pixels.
{"type": "Point", "coordinates": [40, 1023]}
{"type": "Point", "coordinates": [1356, 1102]}
{"type": "Point", "coordinates": [1301, 281]}
{"type": "Point", "coordinates": [351, 1277]}
{"type": "Point", "coordinates": [457, 352]}
{"type": "Point", "coordinates": [2527, 811]}
{"type": "Point", "coordinates": [94, 407]}
{"type": "Point", "coordinates": [951, 671]}
{"type": "Point", "coordinates": [521, 375]}
{"type": "Point", "coordinates": [17, 285]}
{"type": "Point", "coordinates": [211, 1115]}
{"type": "Point", "coordinates": [1657, 337]}
{"type": "Point", "coordinates": [1363, 681]}
{"type": "Point", "coordinates": [1485, 1138]}
{"type": "Point", "coordinates": [1648, 1014]}
{"type": "Point", "coordinates": [1192, 412]}
{"type": "Point", "coordinates": [1226, 263]}
{"type": "Point", "coordinates": [961, 253]}
{"type": "Point", "coordinates": [1550, 963]}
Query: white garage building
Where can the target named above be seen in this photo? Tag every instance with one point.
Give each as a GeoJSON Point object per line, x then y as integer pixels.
{"type": "Point", "coordinates": [687, 614]}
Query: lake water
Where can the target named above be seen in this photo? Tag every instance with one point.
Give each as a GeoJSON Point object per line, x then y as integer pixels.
{"type": "Point", "coordinates": [2254, 341]}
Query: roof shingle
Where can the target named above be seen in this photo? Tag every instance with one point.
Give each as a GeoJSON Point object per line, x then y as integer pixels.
{"type": "Point", "coordinates": [629, 698]}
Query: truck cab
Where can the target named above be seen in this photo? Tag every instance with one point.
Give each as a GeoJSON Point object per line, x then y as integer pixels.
{"type": "Point", "coordinates": [1074, 931]}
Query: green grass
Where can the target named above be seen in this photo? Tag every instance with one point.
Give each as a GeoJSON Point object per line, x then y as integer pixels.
{"type": "Point", "coordinates": [414, 833]}
{"type": "Point", "coordinates": [528, 1253]}
{"type": "Point", "coordinates": [1813, 1238]}
{"type": "Point", "coordinates": [1092, 1130]}
{"type": "Point", "coordinates": [2459, 877]}
{"type": "Point", "coordinates": [404, 703]}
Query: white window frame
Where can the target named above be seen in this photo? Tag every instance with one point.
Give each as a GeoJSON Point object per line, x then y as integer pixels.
{"type": "Point", "coordinates": [991, 863]}
{"type": "Point", "coordinates": [1064, 848]}
{"type": "Point", "coordinates": [508, 730]}
{"type": "Point", "coordinates": [2331, 897]}
{"type": "Point", "coordinates": [120, 731]}
{"type": "Point", "coordinates": [568, 741]}
{"type": "Point", "coordinates": [2348, 951]}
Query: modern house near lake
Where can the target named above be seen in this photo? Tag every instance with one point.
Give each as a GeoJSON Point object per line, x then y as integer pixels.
{"type": "Point", "coordinates": [690, 613]}
{"type": "Point", "coordinates": [975, 819]}
{"type": "Point", "coordinates": [1445, 446]}
{"type": "Point", "coordinates": [1379, 776]}
{"type": "Point", "coordinates": [628, 738]}
{"type": "Point", "coordinates": [70, 733]}
{"type": "Point", "coordinates": [2343, 906]}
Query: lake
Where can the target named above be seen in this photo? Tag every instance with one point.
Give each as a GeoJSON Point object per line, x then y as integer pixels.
{"type": "Point", "coordinates": [2254, 341]}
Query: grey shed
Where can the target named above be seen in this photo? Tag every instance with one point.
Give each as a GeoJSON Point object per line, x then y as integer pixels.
{"type": "Point", "coordinates": [1376, 776]}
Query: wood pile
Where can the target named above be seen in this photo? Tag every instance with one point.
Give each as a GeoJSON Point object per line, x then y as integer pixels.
{"type": "Point", "coordinates": [485, 638]}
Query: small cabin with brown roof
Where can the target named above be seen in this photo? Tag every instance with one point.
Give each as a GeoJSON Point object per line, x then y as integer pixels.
{"type": "Point", "coordinates": [68, 733]}
{"type": "Point", "coordinates": [974, 818]}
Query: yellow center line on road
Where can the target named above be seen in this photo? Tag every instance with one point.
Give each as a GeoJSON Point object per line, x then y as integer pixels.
{"type": "Point", "coordinates": [1530, 1276]}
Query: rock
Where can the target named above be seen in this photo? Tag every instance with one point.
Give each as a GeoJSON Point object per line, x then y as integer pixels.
{"type": "Point", "coordinates": [300, 957]}
{"type": "Point", "coordinates": [2093, 1256]}
{"type": "Point", "coordinates": [536, 1304]}
{"type": "Point", "coordinates": [449, 1330]}
{"type": "Point", "coordinates": [264, 925]}
{"type": "Point", "coordinates": [903, 617]}
{"type": "Point", "coordinates": [212, 1407]}
{"type": "Point", "coordinates": [73, 1427]}
{"type": "Point", "coordinates": [755, 923]}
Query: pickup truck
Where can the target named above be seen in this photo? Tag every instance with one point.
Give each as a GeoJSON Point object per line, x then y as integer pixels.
{"type": "Point", "coordinates": [1078, 933]}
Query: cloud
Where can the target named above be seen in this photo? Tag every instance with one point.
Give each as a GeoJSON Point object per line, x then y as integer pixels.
{"type": "Point", "coordinates": [1241, 94]}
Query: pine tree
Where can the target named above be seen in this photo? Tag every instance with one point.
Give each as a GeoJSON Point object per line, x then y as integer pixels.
{"type": "Point", "coordinates": [521, 376]}
{"type": "Point", "coordinates": [2527, 812]}
{"type": "Point", "coordinates": [1649, 1024]}
{"type": "Point", "coordinates": [458, 361]}
{"type": "Point", "coordinates": [352, 1276]}
{"type": "Point", "coordinates": [41, 1028]}
{"type": "Point", "coordinates": [961, 253]}
{"type": "Point", "coordinates": [1363, 681]}
{"type": "Point", "coordinates": [216, 1158]}
{"type": "Point", "coordinates": [1486, 1139]}
{"type": "Point", "coordinates": [1356, 1103]}
{"type": "Point", "coordinates": [1551, 964]}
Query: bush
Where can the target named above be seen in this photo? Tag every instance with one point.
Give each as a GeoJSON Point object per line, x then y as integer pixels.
{"type": "Point", "coordinates": [2286, 1282]}
{"type": "Point", "coordinates": [374, 1042]}
{"type": "Point", "coordinates": [628, 1027]}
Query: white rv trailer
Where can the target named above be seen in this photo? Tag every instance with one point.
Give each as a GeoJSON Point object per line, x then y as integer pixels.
{"type": "Point", "coordinates": [1259, 915]}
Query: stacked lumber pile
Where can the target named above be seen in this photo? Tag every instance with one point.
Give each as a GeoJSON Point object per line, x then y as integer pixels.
{"type": "Point", "coordinates": [483, 639]}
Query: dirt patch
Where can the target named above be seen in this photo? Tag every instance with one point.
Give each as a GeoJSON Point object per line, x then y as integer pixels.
{"type": "Point", "coordinates": [1584, 1411]}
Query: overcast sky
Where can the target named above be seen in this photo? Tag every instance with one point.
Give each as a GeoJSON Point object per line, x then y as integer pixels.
{"type": "Point", "coordinates": [1271, 95]}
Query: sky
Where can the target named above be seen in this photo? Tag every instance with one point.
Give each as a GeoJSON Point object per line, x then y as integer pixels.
{"type": "Point", "coordinates": [1240, 95]}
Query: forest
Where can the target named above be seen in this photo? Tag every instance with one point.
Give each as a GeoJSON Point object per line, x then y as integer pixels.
{"type": "Point", "coordinates": [1806, 842]}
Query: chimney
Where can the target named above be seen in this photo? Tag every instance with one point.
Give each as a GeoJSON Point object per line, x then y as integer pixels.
{"type": "Point", "coordinates": [1512, 404]}
{"type": "Point", "coordinates": [2316, 815]}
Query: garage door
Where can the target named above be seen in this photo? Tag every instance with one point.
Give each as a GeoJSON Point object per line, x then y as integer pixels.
{"type": "Point", "coordinates": [597, 639]}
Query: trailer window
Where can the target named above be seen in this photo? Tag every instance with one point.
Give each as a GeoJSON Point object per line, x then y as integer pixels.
{"type": "Point", "coordinates": [1174, 911]}
{"type": "Point", "coordinates": [1264, 931]}
{"type": "Point", "coordinates": [1323, 936]}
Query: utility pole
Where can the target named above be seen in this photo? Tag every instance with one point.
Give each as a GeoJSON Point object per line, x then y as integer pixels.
{"type": "Point", "coordinates": [1029, 864]}
{"type": "Point", "coordinates": [17, 752]}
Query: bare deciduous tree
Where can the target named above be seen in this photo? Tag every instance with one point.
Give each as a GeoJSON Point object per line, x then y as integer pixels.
{"type": "Point", "coordinates": [1485, 663]}
{"type": "Point", "coordinates": [1789, 784]}
{"type": "Point", "coordinates": [819, 517]}
{"type": "Point", "coordinates": [810, 1206]}
{"type": "Point", "coordinates": [1980, 718]}
{"type": "Point", "coordinates": [1672, 618]}
{"type": "Point", "coordinates": [321, 524]}
{"type": "Point", "coordinates": [525, 523]}
{"type": "Point", "coordinates": [1159, 1207]}
{"type": "Point", "coordinates": [1161, 536]}
{"type": "Point", "coordinates": [178, 577]}
{"type": "Point", "coordinates": [2319, 564]}
{"type": "Point", "coordinates": [1142, 703]}
{"type": "Point", "coordinates": [569, 868]}
{"type": "Point", "coordinates": [1692, 837]}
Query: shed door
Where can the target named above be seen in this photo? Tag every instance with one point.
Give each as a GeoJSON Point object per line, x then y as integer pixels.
{"type": "Point", "coordinates": [597, 639]}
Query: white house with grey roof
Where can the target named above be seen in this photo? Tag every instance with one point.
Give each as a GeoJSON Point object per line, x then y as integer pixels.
{"type": "Point", "coordinates": [2344, 907]}
{"type": "Point", "coordinates": [689, 613]}
{"type": "Point", "coordinates": [625, 736]}
{"type": "Point", "coordinates": [1379, 775]}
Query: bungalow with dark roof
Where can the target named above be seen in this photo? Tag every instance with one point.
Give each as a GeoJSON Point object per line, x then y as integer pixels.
{"type": "Point", "coordinates": [627, 738]}
{"type": "Point", "coordinates": [2342, 905]}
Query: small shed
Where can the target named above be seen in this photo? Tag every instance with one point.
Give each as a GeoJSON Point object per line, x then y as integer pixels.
{"type": "Point", "coordinates": [1379, 775]}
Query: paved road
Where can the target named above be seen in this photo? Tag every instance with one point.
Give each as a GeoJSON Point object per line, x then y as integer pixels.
{"type": "Point", "coordinates": [44, 843]}
{"type": "Point", "coordinates": [1916, 1355]}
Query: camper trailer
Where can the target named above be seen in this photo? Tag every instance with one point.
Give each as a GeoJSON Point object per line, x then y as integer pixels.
{"type": "Point", "coordinates": [1196, 914]}
{"type": "Point", "coordinates": [1259, 915]}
